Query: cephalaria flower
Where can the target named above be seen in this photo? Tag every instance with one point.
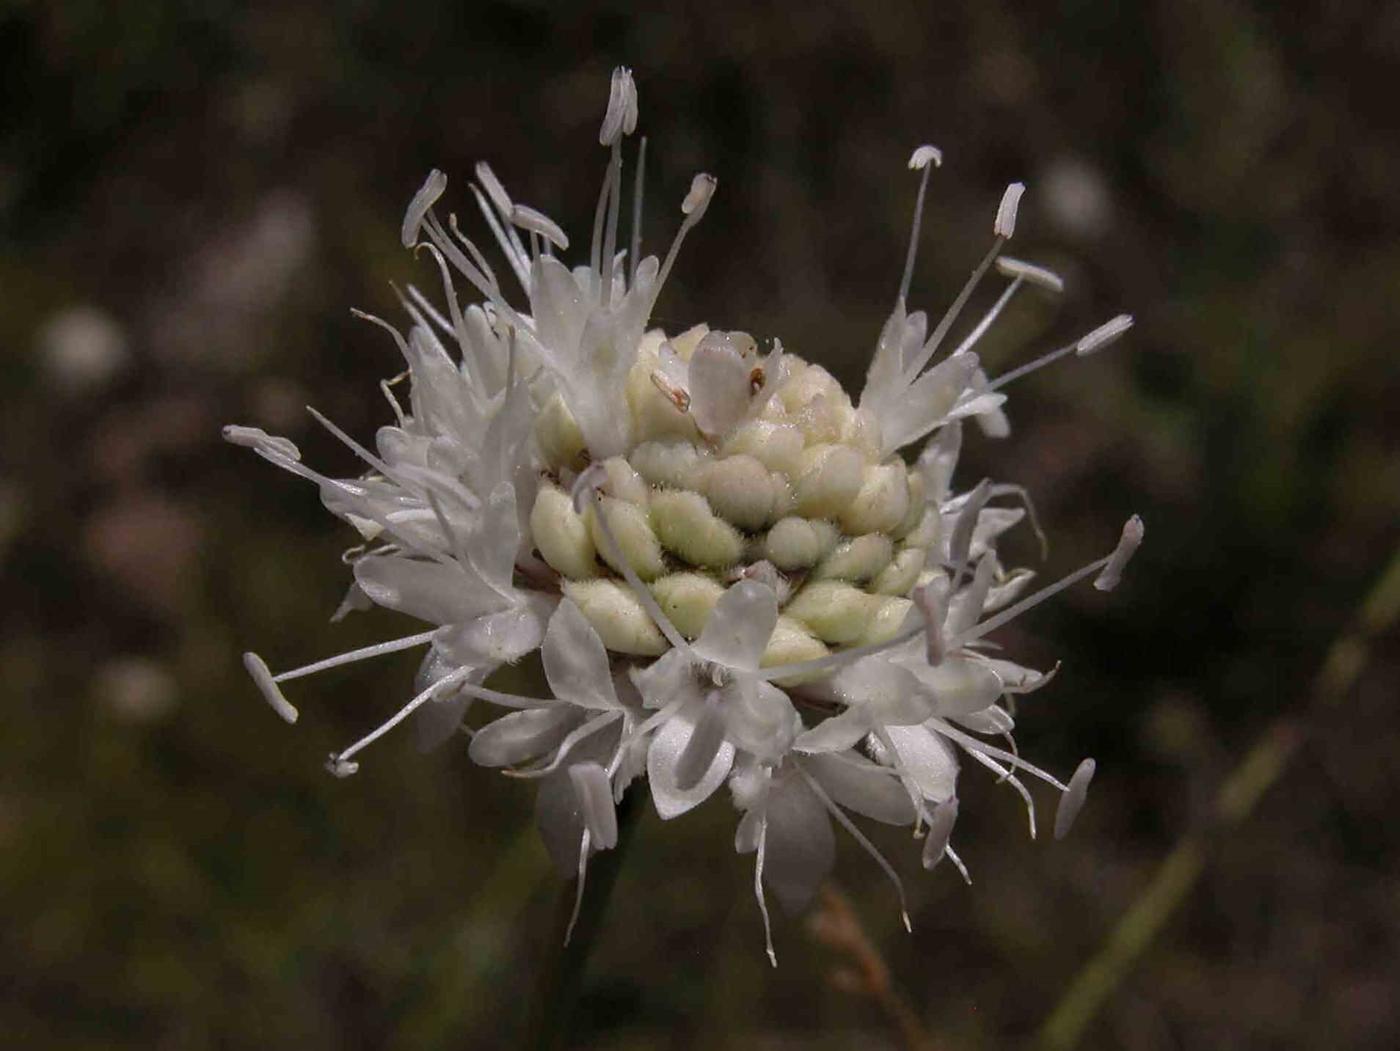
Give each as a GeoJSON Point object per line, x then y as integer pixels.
{"type": "Point", "coordinates": [729, 570]}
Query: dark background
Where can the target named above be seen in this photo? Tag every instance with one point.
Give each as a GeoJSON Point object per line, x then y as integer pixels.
{"type": "Point", "coordinates": [193, 196]}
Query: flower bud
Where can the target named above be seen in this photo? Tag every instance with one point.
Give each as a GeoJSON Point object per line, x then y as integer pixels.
{"type": "Point", "coordinates": [632, 533]}
{"type": "Point", "coordinates": [887, 620]}
{"type": "Point", "coordinates": [560, 534]}
{"type": "Point", "coordinates": [617, 616]}
{"type": "Point", "coordinates": [882, 501]}
{"type": "Point", "coordinates": [556, 431]}
{"type": "Point", "coordinates": [739, 490]}
{"type": "Point", "coordinates": [791, 643]}
{"type": "Point", "coordinates": [687, 599]}
{"type": "Point", "coordinates": [829, 478]}
{"type": "Point", "coordinates": [857, 559]}
{"type": "Point", "coordinates": [835, 611]}
{"type": "Point", "coordinates": [778, 446]}
{"type": "Point", "coordinates": [671, 463]}
{"type": "Point", "coordinates": [686, 526]}
{"type": "Point", "coordinates": [900, 576]}
{"type": "Point", "coordinates": [793, 543]}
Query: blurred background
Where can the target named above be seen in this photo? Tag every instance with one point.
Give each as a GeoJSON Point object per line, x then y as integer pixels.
{"type": "Point", "coordinates": [192, 198]}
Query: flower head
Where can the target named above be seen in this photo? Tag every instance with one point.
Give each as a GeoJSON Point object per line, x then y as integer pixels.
{"type": "Point", "coordinates": [730, 573]}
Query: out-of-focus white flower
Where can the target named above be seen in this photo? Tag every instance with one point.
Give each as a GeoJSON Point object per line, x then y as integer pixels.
{"type": "Point", "coordinates": [728, 570]}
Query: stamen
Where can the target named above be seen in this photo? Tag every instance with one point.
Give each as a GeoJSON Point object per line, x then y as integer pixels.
{"type": "Point", "coordinates": [423, 200]}
{"type": "Point", "coordinates": [1133, 531]}
{"type": "Point", "coordinates": [958, 864]}
{"type": "Point", "coordinates": [341, 760]}
{"type": "Point", "coordinates": [951, 315]}
{"type": "Point", "coordinates": [1073, 800]}
{"type": "Point", "coordinates": [1036, 275]}
{"type": "Point", "coordinates": [566, 746]}
{"type": "Point", "coordinates": [996, 620]}
{"type": "Point", "coordinates": [621, 116]}
{"type": "Point", "coordinates": [1005, 224]}
{"type": "Point", "coordinates": [379, 649]}
{"type": "Point", "coordinates": [989, 318]}
{"type": "Point", "coordinates": [924, 159]}
{"type": "Point", "coordinates": [972, 744]}
{"type": "Point", "coordinates": [476, 253]}
{"type": "Point", "coordinates": [1099, 338]}
{"type": "Point", "coordinates": [634, 255]}
{"type": "Point", "coordinates": [582, 878]}
{"type": "Point", "coordinates": [536, 222]}
{"type": "Point", "coordinates": [258, 669]}
{"type": "Point", "coordinates": [702, 188]}
{"type": "Point", "coordinates": [269, 446]}
{"type": "Point", "coordinates": [509, 244]}
{"type": "Point", "coordinates": [960, 545]}
{"type": "Point", "coordinates": [859, 837]}
{"type": "Point", "coordinates": [758, 889]}
{"type": "Point", "coordinates": [594, 792]}
{"type": "Point", "coordinates": [1004, 774]}
{"type": "Point", "coordinates": [1009, 489]}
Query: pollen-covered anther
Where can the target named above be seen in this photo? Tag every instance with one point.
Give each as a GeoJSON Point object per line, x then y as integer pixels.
{"type": "Point", "coordinates": [1128, 543]}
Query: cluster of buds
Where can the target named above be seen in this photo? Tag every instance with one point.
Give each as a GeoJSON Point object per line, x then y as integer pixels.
{"type": "Point", "coordinates": [731, 574]}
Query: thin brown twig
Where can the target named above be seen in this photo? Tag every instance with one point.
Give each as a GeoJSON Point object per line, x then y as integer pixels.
{"type": "Point", "coordinates": [863, 972]}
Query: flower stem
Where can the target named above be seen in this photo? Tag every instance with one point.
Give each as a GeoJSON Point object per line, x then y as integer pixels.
{"type": "Point", "coordinates": [561, 979]}
{"type": "Point", "coordinates": [1234, 802]}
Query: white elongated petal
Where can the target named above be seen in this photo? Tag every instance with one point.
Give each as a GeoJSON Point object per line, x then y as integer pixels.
{"type": "Point", "coordinates": [424, 199]}
{"type": "Point", "coordinates": [800, 847]}
{"type": "Point", "coordinates": [718, 384]}
{"type": "Point", "coordinates": [664, 756]}
{"type": "Point", "coordinates": [1073, 800]}
{"type": "Point", "coordinates": [857, 784]}
{"type": "Point", "coordinates": [704, 744]}
{"type": "Point", "coordinates": [738, 629]}
{"type": "Point", "coordinates": [262, 676]}
{"type": "Point", "coordinates": [960, 686]}
{"type": "Point", "coordinates": [495, 638]}
{"type": "Point", "coordinates": [836, 734]}
{"type": "Point", "coordinates": [575, 662]}
{"type": "Point", "coordinates": [522, 735]}
{"type": "Point", "coordinates": [594, 792]}
{"type": "Point", "coordinates": [759, 718]}
{"type": "Point", "coordinates": [927, 759]}
{"type": "Point", "coordinates": [439, 594]}
{"type": "Point", "coordinates": [559, 817]}
{"type": "Point", "coordinates": [940, 831]}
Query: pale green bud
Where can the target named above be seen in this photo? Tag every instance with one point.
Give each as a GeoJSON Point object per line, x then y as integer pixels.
{"type": "Point", "coordinates": [617, 616]}
{"type": "Point", "coordinates": [882, 502]}
{"type": "Point", "coordinates": [807, 382]}
{"type": "Point", "coordinates": [856, 559]}
{"type": "Point", "coordinates": [828, 480]}
{"type": "Point", "coordinates": [887, 620]}
{"type": "Point", "coordinates": [687, 599]}
{"type": "Point", "coordinates": [672, 463]}
{"type": "Point", "coordinates": [918, 495]}
{"type": "Point", "coordinates": [561, 535]}
{"type": "Point", "coordinates": [558, 435]}
{"type": "Point", "coordinates": [791, 643]}
{"type": "Point", "coordinates": [634, 536]}
{"type": "Point", "coordinates": [793, 543]}
{"type": "Point", "coordinates": [624, 483]}
{"type": "Point", "coordinates": [833, 610]}
{"type": "Point", "coordinates": [900, 576]}
{"type": "Point", "coordinates": [778, 446]}
{"type": "Point", "coordinates": [686, 525]}
{"type": "Point", "coordinates": [740, 490]}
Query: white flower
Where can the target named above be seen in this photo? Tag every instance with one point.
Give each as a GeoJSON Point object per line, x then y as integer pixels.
{"type": "Point", "coordinates": [728, 572]}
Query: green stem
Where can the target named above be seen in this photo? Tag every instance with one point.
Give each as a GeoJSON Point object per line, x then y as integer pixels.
{"type": "Point", "coordinates": [561, 980]}
{"type": "Point", "coordinates": [1235, 800]}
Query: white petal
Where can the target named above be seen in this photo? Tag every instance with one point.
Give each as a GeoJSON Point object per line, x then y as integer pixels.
{"type": "Point", "coordinates": [704, 744]}
{"type": "Point", "coordinates": [575, 662]}
{"type": "Point", "coordinates": [960, 686]}
{"type": "Point", "coordinates": [594, 792]}
{"type": "Point", "coordinates": [738, 629]}
{"type": "Point", "coordinates": [927, 759]}
{"type": "Point", "coordinates": [495, 638]}
{"type": "Point", "coordinates": [718, 383]}
{"type": "Point", "coordinates": [800, 848]}
{"type": "Point", "coordinates": [664, 755]}
{"type": "Point", "coordinates": [835, 734]}
{"type": "Point", "coordinates": [521, 735]}
{"type": "Point", "coordinates": [559, 817]}
{"type": "Point", "coordinates": [667, 679]}
{"type": "Point", "coordinates": [759, 718]}
{"type": "Point", "coordinates": [495, 541]}
{"type": "Point", "coordinates": [439, 594]}
{"type": "Point", "coordinates": [860, 785]}
{"type": "Point", "coordinates": [940, 831]}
